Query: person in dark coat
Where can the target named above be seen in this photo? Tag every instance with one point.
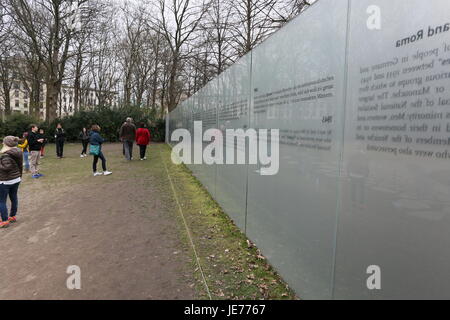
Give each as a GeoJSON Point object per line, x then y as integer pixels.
{"type": "Point", "coordinates": [84, 137]}
{"type": "Point", "coordinates": [35, 142]}
{"type": "Point", "coordinates": [11, 167]}
{"type": "Point", "coordinates": [60, 138]}
{"type": "Point", "coordinates": [127, 136]}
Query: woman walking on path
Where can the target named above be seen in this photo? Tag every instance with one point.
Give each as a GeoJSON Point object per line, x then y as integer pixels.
{"type": "Point", "coordinates": [96, 142]}
{"type": "Point", "coordinates": [25, 150]}
{"type": "Point", "coordinates": [84, 136]}
{"type": "Point", "coordinates": [143, 139]}
{"type": "Point", "coordinates": [60, 136]}
{"type": "Point", "coordinates": [11, 165]}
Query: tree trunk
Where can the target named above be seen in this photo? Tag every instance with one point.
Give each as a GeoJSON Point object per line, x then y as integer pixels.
{"type": "Point", "coordinates": [35, 98]}
{"type": "Point", "coordinates": [53, 88]}
{"type": "Point", "coordinates": [172, 83]}
{"type": "Point", "coordinates": [7, 98]}
{"type": "Point", "coordinates": [77, 84]}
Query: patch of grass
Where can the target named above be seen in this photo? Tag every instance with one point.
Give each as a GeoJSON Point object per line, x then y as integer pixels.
{"type": "Point", "coordinates": [234, 268]}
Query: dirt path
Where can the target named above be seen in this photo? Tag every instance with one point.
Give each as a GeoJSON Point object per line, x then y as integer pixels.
{"type": "Point", "coordinates": [120, 230]}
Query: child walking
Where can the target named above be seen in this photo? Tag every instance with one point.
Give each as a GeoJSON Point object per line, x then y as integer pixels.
{"type": "Point", "coordinates": [11, 165]}
{"type": "Point", "coordinates": [96, 142]}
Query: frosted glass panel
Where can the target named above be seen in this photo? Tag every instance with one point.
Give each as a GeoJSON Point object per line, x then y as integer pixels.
{"type": "Point", "coordinates": [395, 186]}
{"type": "Point", "coordinates": [205, 110]}
{"type": "Point", "coordinates": [234, 92]}
{"type": "Point", "coordinates": [298, 87]}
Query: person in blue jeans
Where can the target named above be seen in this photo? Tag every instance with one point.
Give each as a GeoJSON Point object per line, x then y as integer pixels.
{"type": "Point", "coordinates": [23, 145]}
{"type": "Point", "coordinates": [96, 140]}
{"type": "Point", "coordinates": [11, 167]}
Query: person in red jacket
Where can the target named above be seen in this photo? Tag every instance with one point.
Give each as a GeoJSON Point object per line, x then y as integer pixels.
{"type": "Point", "coordinates": [143, 139]}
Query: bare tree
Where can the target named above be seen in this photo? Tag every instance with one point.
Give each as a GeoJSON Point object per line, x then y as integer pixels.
{"type": "Point", "coordinates": [289, 10]}
{"type": "Point", "coordinates": [82, 54]}
{"type": "Point", "coordinates": [30, 71]}
{"type": "Point", "coordinates": [5, 58]}
{"type": "Point", "coordinates": [48, 29]}
{"type": "Point", "coordinates": [178, 23]}
{"type": "Point", "coordinates": [130, 45]}
{"type": "Point", "coordinates": [254, 21]}
{"type": "Point", "coordinates": [218, 30]}
{"type": "Point", "coordinates": [104, 67]}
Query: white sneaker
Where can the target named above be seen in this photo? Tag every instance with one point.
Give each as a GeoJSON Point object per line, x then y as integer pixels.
{"type": "Point", "coordinates": [82, 156]}
{"type": "Point", "coordinates": [107, 173]}
{"type": "Point", "coordinates": [96, 174]}
{"type": "Point", "coordinates": [145, 158]}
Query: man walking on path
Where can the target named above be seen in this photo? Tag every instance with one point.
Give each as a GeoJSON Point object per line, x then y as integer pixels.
{"type": "Point", "coordinates": [35, 144]}
{"type": "Point", "coordinates": [127, 136]}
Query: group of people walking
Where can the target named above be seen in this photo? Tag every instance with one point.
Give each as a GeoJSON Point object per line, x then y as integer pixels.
{"type": "Point", "coordinates": [26, 153]}
{"type": "Point", "coordinates": [129, 134]}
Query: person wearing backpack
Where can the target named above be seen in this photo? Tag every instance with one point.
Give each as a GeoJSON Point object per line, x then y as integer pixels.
{"type": "Point", "coordinates": [11, 166]}
{"type": "Point", "coordinates": [95, 149]}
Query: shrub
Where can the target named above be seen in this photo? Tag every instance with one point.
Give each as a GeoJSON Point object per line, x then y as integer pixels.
{"type": "Point", "coordinates": [16, 125]}
{"type": "Point", "coordinates": [110, 120]}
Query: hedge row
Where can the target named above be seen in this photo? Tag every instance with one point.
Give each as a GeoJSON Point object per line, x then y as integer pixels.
{"type": "Point", "coordinates": [109, 120]}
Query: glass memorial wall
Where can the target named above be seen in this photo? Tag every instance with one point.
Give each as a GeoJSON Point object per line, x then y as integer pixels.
{"type": "Point", "coordinates": [298, 88]}
{"type": "Point", "coordinates": [233, 113]}
{"type": "Point", "coordinates": [395, 182]}
{"type": "Point", "coordinates": [360, 93]}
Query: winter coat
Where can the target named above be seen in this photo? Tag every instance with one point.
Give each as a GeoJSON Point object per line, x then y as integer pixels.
{"type": "Point", "coordinates": [33, 143]}
{"type": "Point", "coordinates": [84, 135]}
{"type": "Point", "coordinates": [60, 134]}
{"type": "Point", "coordinates": [11, 164]}
{"type": "Point", "coordinates": [142, 136]}
{"type": "Point", "coordinates": [127, 132]}
{"type": "Point", "coordinates": [24, 146]}
{"type": "Point", "coordinates": [96, 139]}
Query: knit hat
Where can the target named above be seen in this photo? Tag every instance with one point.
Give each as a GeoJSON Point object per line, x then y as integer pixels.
{"type": "Point", "coordinates": [11, 141]}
